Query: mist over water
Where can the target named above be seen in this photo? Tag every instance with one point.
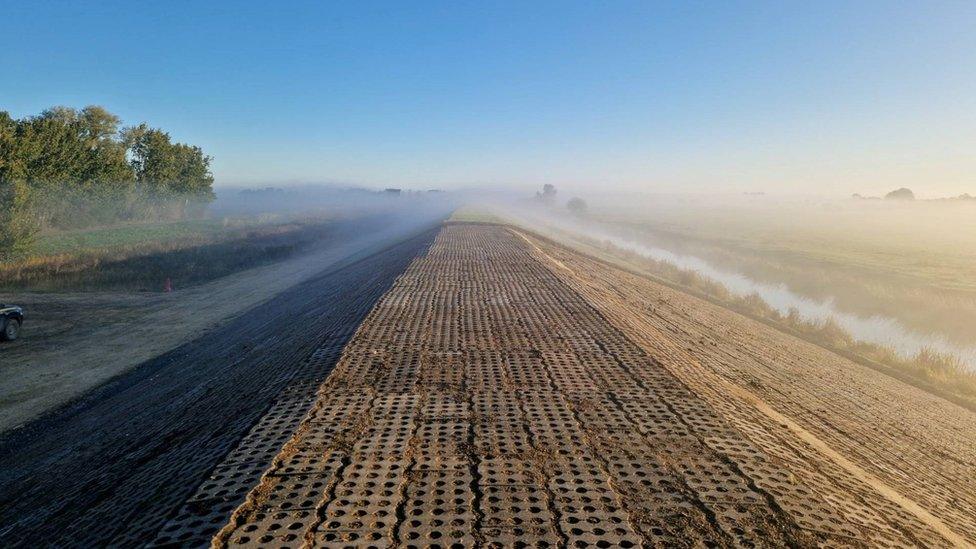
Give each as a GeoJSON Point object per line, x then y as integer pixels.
{"type": "Point", "coordinates": [875, 329]}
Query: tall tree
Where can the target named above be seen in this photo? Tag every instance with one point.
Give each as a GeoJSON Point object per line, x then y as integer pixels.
{"type": "Point", "coordinates": [164, 167]}
{"type": "Point", "coordinates": [17, 226]}
{"type": "Point", "coordinates": [69, 168]}
{"type": "Point", "coordinates": [16, 229]}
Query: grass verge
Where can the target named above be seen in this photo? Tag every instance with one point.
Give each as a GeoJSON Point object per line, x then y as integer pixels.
{"type": "Point", "coordinates": [142, 257]}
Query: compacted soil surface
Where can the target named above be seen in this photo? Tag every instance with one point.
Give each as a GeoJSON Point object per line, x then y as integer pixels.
{"type": "Point", "coordinates": [505, 391]}
{"type": "Point", "coordinates": [111, 466]}
{"type": "Point", "coordinates": [72, 342]}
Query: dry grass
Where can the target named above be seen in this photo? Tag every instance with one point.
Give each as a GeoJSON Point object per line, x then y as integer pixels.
{"type": "Point", "coordinates": [149, 255]}
{"type": "Point", "coordinates": [910, 262]}
{"type": "Point", "coordinates": [931, 242]}
{"type": "Point", "coordinates": [942, 370]}
{"type": "Point", "coordinates": [470, 214]}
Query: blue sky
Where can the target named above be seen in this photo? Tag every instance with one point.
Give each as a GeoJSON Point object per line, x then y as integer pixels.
{"type": "Point", "coordinates": [821, 97]}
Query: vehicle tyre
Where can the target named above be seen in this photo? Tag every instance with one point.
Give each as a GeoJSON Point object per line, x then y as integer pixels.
{"type": "Point", "coordinates": [10, 330]}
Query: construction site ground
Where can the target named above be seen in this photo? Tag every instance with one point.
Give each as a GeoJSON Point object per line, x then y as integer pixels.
{"type": "Point", "coordinates": [479, 385]}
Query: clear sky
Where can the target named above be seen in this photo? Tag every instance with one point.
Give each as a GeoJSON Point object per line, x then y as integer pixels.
{"type": "Point", "coordinates": [813, 97]}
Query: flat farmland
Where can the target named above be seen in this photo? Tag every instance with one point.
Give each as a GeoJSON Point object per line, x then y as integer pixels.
{"type": "Point", "coordinates": [507, 391]}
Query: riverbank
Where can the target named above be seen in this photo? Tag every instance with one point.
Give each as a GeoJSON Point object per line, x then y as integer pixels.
{"type": "Point", "coordinates": [937, 370]}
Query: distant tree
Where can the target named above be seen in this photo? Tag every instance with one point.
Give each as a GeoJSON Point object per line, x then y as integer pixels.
{"type": "Point", "coordinates": [900, 194]}
{"type": "Point", "coordinates": [547, 196]}
{"type": "Point", "coordinates": [50, 148]}
{"type": "Point", "coordinates": [265, 191]}
{"type": "Point", "coordinates": [11, 166]}
{"type": "Point", "coordinates": [577, 206]}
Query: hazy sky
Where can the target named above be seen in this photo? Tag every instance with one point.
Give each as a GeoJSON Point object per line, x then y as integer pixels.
{"type": "Point", "coordinates": [780, 96]}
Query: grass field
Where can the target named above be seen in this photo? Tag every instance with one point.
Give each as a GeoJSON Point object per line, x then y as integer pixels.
{"type": "Point", "coordinates": [945, 372]}
{"type": "Point", "coordinates": [913, 262]}
{"type": "Point", "coordinates": [142, 256]}
{"type": "Point", "coordinates": [54, 243]}
{"type": "Point", "coordinates": [925, 243]}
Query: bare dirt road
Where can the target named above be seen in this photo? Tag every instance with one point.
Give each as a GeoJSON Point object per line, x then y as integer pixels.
{"type": "Point", "coordinates": [508, 392]}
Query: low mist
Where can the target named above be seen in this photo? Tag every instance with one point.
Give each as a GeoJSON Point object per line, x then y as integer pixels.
{"type": "Point", "coordinates": [892, 273]}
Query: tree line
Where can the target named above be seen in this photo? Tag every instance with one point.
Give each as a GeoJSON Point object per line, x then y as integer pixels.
{"type": "Point", "coordinates": [68, 169]}
{"type": "Point", "coordinates": [547, 196]}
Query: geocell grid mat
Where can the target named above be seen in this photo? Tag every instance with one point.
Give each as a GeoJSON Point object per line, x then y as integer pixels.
{"type": "Point", "coordinates": [483, 402]}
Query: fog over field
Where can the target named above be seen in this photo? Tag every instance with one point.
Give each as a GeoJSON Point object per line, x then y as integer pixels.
{"type": "Point", "coordinates": [892, 273]}
{"type": "Point", "coordinates": [306, 198]}
{"type": "Point", "coordinates": [887, 272]}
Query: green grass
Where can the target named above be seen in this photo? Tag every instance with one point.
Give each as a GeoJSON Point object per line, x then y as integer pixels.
{"type": "Point", "coordinates": [126, 236]}
{"type": "Point", "coordinates": [140, 256]}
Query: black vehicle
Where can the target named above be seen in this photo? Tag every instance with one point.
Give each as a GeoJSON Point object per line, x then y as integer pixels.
{"type": "Point", "coordinates": [11, 319]}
